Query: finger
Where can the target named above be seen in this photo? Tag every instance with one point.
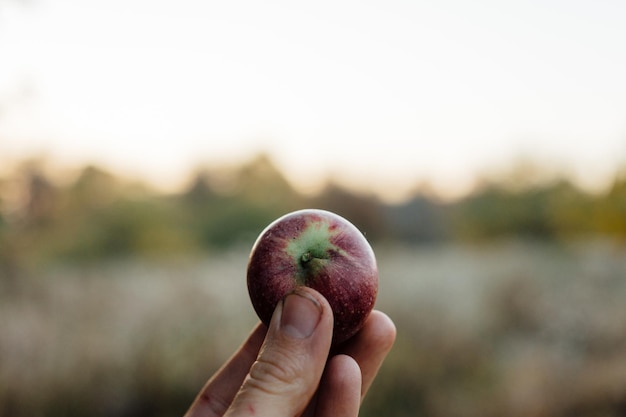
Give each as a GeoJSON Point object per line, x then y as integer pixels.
{"type": "Point", "coordinates": [340, 390]}
{"type": "Point", "coordinates": [216, 396]}
{"type": "Point", "coordinates": [289, 367]}
{"type": "Point", "coordinates": [370, 346]}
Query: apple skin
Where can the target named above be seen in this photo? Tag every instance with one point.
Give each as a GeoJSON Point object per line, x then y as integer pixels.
{"type": "Point", "coordinates": [321, 250]}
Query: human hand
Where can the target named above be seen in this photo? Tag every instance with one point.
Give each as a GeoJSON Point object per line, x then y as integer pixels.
{"type": "Point", "coordinates": [287, 368]}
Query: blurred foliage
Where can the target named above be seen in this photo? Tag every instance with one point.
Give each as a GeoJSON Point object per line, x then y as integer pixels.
{"type": "Point", "coordinates": [96, 215]}
{"type": "Point", "coordinates": [545, 212]}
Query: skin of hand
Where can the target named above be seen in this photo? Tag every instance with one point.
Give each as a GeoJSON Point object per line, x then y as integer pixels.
{"type": "Point", "coordinates": [287, 369]}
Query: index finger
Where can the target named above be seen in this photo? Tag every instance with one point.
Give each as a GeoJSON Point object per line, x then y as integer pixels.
{"type": "Point", "coordinates": [216, 396]}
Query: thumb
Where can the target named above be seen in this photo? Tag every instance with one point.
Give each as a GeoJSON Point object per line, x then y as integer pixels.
{"type": "Point", "coordinates": [290, 364]}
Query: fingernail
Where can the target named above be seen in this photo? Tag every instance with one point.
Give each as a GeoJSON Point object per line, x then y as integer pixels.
{"type": "Point", "coordinates": [300, 316]}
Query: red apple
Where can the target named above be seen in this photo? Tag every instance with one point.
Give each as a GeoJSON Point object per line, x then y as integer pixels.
{"type": "Point", "coordinates": [320, 250]}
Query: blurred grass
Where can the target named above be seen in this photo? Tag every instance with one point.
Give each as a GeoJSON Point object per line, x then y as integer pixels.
{"type": "Point", "coordinates": [518, 329]}
{"type": "Point", "coordinates": [512, 328]}
{"type": "Point", "coordinates": [122, 338]}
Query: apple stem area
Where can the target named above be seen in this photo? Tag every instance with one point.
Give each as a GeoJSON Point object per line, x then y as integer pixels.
{"type": "Point", "coordinates": [309, 256]}
{"type": "Point", "coordinates": [310, 264]}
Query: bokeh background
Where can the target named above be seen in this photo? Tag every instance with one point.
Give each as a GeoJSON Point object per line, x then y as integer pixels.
{"type": "Point", "coordinates": [480, 146]}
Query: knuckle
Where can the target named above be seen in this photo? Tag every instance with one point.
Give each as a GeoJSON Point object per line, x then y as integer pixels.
{"type": "Point", "coordinates": [215, 404]}
{"type": "Point", "coordinates": [275, 375]}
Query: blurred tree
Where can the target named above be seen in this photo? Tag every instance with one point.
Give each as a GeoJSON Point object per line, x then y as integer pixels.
{"type": "Point", "coordinates": [41, 199]}
{"type": "Point", "coordinates": [261, 183]}
{"type": "Point", "coordinates": [257, 181]}
{"type": "Point", "coordinates": [6, 258]}
{"type": "Point", "coordinates": [200, 192]}
{"type": "Point", "coordinates": [480, 215]}
{"type": "Point", "coordinates": [94, 188]}
{"type": "Point", "coordinates": [557, 210]}
{"type": "Point", "coordinates": [364, 211]}
{"type": "Point", "coordinates": [2, 208]}
{"type": "Point", "coordinates": [419, 220]}
{"type": "Point", "coordinates": [609, 216]}
{"type": "Point", "coordinates": [569, 210]}
{"type": "Point", "coordinates": [226, 205]}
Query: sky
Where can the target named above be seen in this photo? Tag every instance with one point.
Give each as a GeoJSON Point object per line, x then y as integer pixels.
{"type": "Point", "coordinates": [382, 95]}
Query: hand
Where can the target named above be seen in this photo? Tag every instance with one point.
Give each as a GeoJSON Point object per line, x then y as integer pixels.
{"type": "Point", "coordinates": [287, 369]}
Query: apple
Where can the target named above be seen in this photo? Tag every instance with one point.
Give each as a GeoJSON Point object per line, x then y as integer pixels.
{"type": "Point", "coordinates": [321, 250]}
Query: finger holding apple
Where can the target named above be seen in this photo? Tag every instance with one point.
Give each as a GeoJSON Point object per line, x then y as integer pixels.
{"type": "Point", "coordinates": [321, 250]}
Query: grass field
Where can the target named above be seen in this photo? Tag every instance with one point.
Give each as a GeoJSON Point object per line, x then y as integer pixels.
{"type": "Point", "coordinates": [510, 328]}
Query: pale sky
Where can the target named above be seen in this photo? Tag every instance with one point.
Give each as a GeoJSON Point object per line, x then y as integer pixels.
{"type": "Point", "coordinates": [384, 94]}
